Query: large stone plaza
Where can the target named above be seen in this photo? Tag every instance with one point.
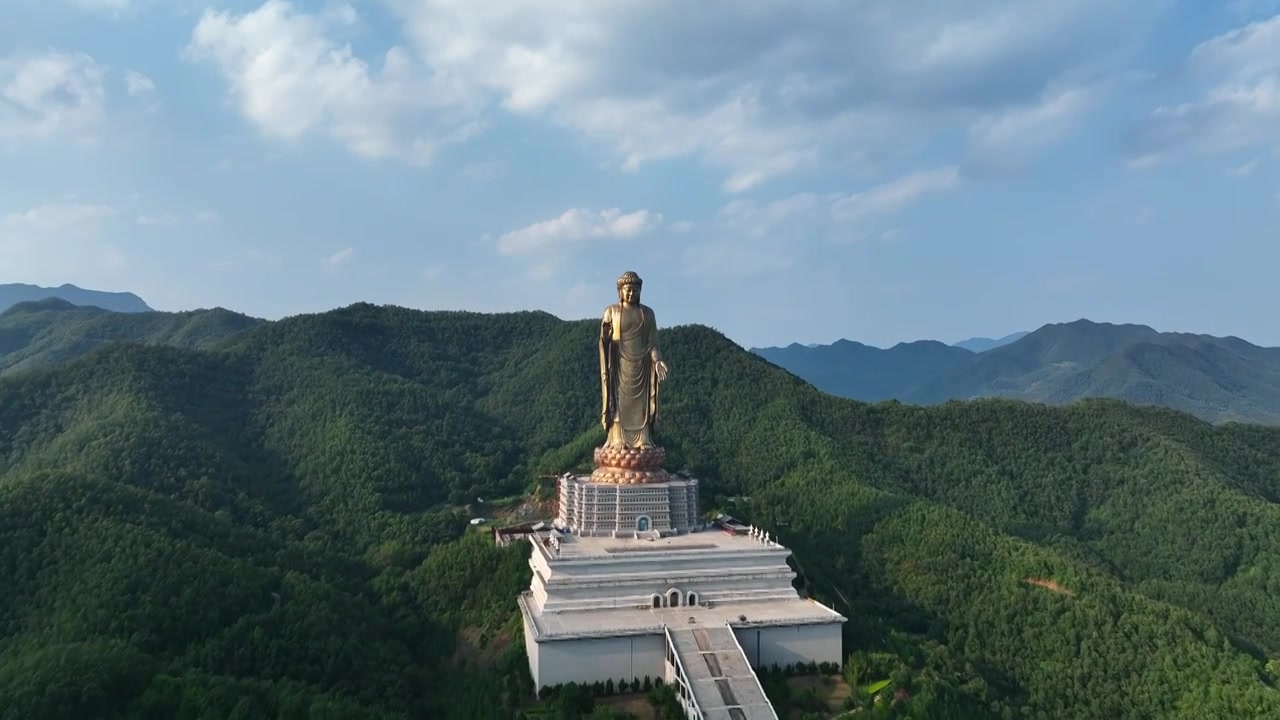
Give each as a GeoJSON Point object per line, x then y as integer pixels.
{"type": "Point", "coordinates": [630, 583]}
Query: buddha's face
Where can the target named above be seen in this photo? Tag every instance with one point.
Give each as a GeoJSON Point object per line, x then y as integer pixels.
{"type": "Point", "coordinates": [629, 294]}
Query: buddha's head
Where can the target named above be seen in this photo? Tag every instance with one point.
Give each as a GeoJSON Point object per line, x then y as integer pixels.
{"type": "Point", "coordinates": [629, 288]}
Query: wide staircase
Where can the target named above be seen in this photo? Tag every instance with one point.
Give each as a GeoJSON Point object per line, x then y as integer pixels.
{"type": "Point", "coordinates": [715, 680]}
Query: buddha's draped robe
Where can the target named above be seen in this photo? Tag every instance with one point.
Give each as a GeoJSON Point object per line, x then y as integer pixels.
{"type": "Point", "coordinates": [629, 383]}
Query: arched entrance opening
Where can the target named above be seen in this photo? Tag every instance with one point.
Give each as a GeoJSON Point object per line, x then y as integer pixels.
{"type": "Point", "coordinates": [657, 601]}
{"type": "Point", "coordinates": [642, 523]}
{"type": "Point", "coordinates": [673, 598]}
{"type": "Point", "coordinates": [693, 599]}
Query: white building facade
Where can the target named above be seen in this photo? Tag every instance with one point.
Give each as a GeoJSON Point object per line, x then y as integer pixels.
{"type": "Point", "coordinates": [699, 609]}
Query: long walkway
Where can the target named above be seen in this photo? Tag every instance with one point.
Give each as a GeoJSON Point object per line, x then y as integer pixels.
{"type": "Point", "coordinates": [718, 675]}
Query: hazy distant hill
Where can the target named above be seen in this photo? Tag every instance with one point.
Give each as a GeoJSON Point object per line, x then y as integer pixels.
{"type": "Point", "coordinates": [13, 293]}
{"type": "Point", "coordinates": [983, 344]}
{"type": "Point", "coordinates": [53, 331]}
{"type": "Point", "coordinates": [1217, 379]}
{"type": "Point", "coordinates": [862, 372]}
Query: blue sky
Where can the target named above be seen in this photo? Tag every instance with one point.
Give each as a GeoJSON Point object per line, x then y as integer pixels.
{"type": "Point", "coordinates": [782, 170]}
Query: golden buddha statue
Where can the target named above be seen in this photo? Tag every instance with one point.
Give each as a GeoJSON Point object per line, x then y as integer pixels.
{"type": "Point", "coordinates": [631, 367]}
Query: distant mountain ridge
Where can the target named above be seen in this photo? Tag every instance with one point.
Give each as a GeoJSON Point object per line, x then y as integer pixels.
{"type": "Point", "coordinates": [862, 372]}
{"type": "Point", "coordinates": [48, 332]}
{"type": "Point", "coordinates": [1218, 379]}
{"type": "Point", "coordinates": [124, 302]}
{"type": "Point", "coordinates": [983, 344]}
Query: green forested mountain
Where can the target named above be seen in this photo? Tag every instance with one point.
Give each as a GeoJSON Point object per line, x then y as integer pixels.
{"type": "Point", "coordinates": [265, 527]}
{"type": "Point", "coordinates": [53, 331]}
{"type": "Point", "coordinates": [1216, 379]}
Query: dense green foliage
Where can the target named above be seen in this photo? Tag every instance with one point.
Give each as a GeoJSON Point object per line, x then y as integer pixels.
{"type": "Point", "coordinates": [53, 331]}
{"type": "Point", "coordinates": [1216, 379]}
{"type": "Point", "coordinates": [266, 527]}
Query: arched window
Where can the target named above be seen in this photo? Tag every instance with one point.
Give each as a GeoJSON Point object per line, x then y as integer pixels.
{"type": "Point", "coordinates": [673, 598]}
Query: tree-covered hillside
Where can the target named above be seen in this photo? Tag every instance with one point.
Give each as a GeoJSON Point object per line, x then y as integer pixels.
{"type": "Point", "coordinates": [53, 331]}
{"type": "Point", "coordinates": [1217, 379]}
{"type": "Point", "coordinates": [265, 526]}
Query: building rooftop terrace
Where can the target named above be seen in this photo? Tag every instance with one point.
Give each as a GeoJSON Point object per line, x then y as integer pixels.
{"type": "Point", "coordinates": [634, 620]}
{"type": "Point", "coordinates": [709, 540]}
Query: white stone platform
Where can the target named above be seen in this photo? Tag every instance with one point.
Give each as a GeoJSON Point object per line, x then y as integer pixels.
{"type": "Point", "coordinates": [630, 584]}
{"type": "Point", "coordinates": [711, 566]}
{"type": "Point", "coordinates": [599, 607]}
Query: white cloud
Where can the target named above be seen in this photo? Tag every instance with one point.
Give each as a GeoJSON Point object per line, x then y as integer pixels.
{"type": "Point", "coordinates": [157, 220]}
{"type": "Point", "coordinates": [1238, 101]}
{"type": "Point", "coordinates": [342, 257]}
{"type": "Point", "coordinates": [1244, 169]}
{"type": "Point", "coordinates": [138, 84]}
{"type": "Point", "coordinates": [435, 271]}
{"type": "Point", "coordinates": [485, 170]}
{"type": "Point", "coordinates": [771, 89]}
{"type": "Point", "coordinates": [896, 195]}
{"type": "Point", "coordinates": [342, 14]}
{"type": "Point", "coordinates": [1009, 138]}
{"type": "Point", "coordinates": [1144, 161]}
{"type": "Point", "coordinates": [805, 212]}
{"type": "Point", "coordinates": [57, 218]}
{"type": "Point", "coordinates": [576, 225]}
{"type": "Point", "coordinates": [48, 95]}
{"type": "Point", "coordinates": [751, 238]}
{"type": "Point", "coordinates": [749, 218]}
{"type": "Point", "coordinates": [204, 217]}
{"type": "Point", "coordinates": [290, 78]}
{"type": "Point", "coordinates": [757, 92]}
{"type": "Point", "coordinates": [57, 243]}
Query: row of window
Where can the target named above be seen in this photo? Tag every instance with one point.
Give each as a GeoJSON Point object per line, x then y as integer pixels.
{"type": "Point", "coordinates": [674, 598]}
